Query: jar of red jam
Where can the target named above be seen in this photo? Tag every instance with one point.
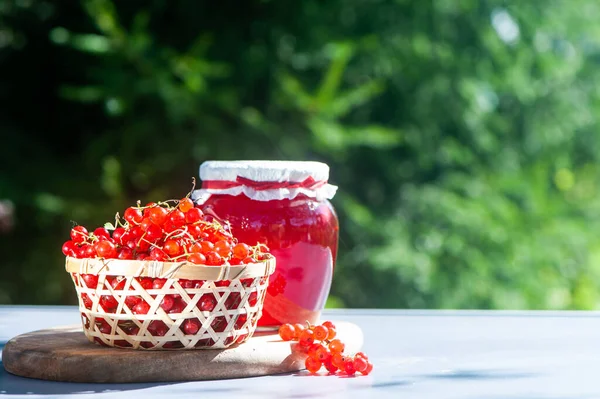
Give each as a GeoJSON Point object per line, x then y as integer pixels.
{"type": "Point", "coordinates": [285, 206]}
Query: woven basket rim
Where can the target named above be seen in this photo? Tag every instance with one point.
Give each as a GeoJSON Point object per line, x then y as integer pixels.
{"type": "Point", "coordinates": [179, 270]}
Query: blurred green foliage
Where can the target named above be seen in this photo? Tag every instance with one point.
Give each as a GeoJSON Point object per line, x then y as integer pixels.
{"type": "Point", "coordinates": [463, 134]}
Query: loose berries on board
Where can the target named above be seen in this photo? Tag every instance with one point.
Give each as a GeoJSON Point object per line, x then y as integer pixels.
{"type": "Point", "coordinates": [323, 350]}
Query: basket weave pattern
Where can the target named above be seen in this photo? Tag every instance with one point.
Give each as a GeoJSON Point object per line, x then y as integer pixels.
{"type": "Point", "coordinates": [237, 308]}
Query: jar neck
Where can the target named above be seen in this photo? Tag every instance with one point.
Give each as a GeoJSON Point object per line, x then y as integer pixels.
{"type": "Point", "coordinates": [308, 184]}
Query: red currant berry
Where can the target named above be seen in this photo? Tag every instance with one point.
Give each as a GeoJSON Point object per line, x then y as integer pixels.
{"type": "Point", "coordinates": [193, 215]}
{"type": "Point", "coordinates": [106, 249]}
{"type": "Point", "coordinates": [141, 308]}
{"type": "Point", "coordinates": [79, 234]}
{"type": "Point", "coordinates": [320, 333]}
{"type": "Point", "coordinates": [328, 324]}
{"type": "Point", "coordinates": [178, 306]}
{"type": "Point", "coordinates": [322, 353]}
{"type": "Point", "coordinates": [157, 328]}
{"type": "Point", "coordinates": [360, 364]}
{"type": "Point", "coordinates": [337, 359]}
{"type": "Point", "coordinates": [118, 284]}
{"type": "Point", "coordinates": [223, 248]}
{"type": "Point", "coordinates": [197, 258]}
{"type": "Point", "coordinates": [331, 333]}
{"type": "Point", "coordinates": [153, 233]}
{"type": "Point", "coordinates": [207, 303]}
{"type": "Point", "coordinates": [349, 366]}
{"type": "Point", "coordinates": [194, 230]}
{"type": "Point", "coordinates": [132, 300]}
{"type": "Point", "coordinates": [124, 253]}
{"type": "Point", "coordinates": [117, 235]}
{"type": "Point", "coordinates": [158, 215]}
{"type": "Point", "coordinates": [133, 215]}
{"type": "Point", "coordinates": [158, 283]}
{"type": "Point", "coordinates": [167, 303]}
{"type": "Point", "coordinates": [157, 254]}
{"type": "Point", "coordinates": [241, 250]}
{"type": "Point", "coordinates": [287, 332]}
{"type": "Point", "coordinates": [101, 232]}
{"type": "Point", "coordinates": [330, 366]}
{"type": "Point", "coordinates": [145, 282]}
{"type": "Point", "coordinates": [298, 328]}
{"type": "Point", "coordinates": [108, 303]}
{"type": "Point", "coordinates": [213, 259]}
{"type": "Point", "coordinates": [207, 247]}
{"type": "Point", "coordinates": [69, 249]}
{"type": "Point", "coordinates": [172, 248]}
{"type": "Point", "coordinates": [103, 326]}
{"type": "Point", "coordinates": [306, 338]}
{"type": "Point", "coordinates": [90, 280]}
{"type": "Point", "coordinates": [176, 218]}
{"type": "Point", "coordinates": [313, 365]}
{"type": "Point", "coordinates": [336, 346]}
{"type": "Point", "coordinates": [191, 326]}
{"type": "Point", "coordinates": [185, 205]}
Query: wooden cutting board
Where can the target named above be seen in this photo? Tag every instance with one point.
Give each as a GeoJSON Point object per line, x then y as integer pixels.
{"type": "Point", "coordinates": [65, 354]}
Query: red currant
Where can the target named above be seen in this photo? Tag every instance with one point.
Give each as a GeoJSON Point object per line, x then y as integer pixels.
{"type": "Point", "coordinates": [157, 328]}
{"type": "Point", "coordinates": [223, 248]}
{"type": "Point", "coordinates": [106, 249]}
{"type": "Point", "coordinates": [360, 364]}
{"type": "Point", "coordinates": [321, 333]}
{"type": "Point", "coordinates": [306, 338]}
{"type": "Point", "coordinates": [172, 248]}
{"type": "Point", "coordinates": [313, 365]}
{"type": "Point", "coordinates": [197, 258]}
{"type": "Point", "coordinates": [191, 326]}
{"type": "Point", "coordinates": [90, 280]}
{"type": "Point", "coordinates": [349, 366]}
{"type": "Point", "coordinates": [207, 303]}
{"type": "Point", "coordinates": [167, 303]}
{"type": "Point", "coordinates": [119, 236]}
{"type": "Point", "coordinates": [69, 249]}
{"type": "Point", "coordinates": [124, 253]}
{"type": "Point", "coordinates": [101, 232]}
{"type": "Point", "coordinates": [141, 308]}
{"type": "Point", "coordinates": [79, 234]}
{"type": "Point", "coordinates": [158, 215]}
{"type": "Point", "coordinates": [213, 259]}
{"type": "Point", "coordinates": [185, 205]}
{"type": "Point", "coordinates": [133, 215]}
{"type": "Point", "coordinates": [336, 346]}
{"type": "Point", "coordinates": [193, 215]}
{"type": "Point", "coordinates": [287, 332]}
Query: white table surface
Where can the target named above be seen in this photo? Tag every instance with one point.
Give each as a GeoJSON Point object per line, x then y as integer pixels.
{"type": "Point", "coordinates": [416, 354]}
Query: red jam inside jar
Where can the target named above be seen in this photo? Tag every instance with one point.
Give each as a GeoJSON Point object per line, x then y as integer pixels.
{"type": "Point", "coordinates": [299, 228]}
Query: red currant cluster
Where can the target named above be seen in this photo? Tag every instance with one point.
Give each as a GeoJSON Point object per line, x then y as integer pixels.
{"type": "Point", "coordinates": [163, 232]}
{"type": "Point", "coordinates": [324, 349]}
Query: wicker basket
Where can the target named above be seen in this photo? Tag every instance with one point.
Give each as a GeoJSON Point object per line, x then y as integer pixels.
{"type": "Point", "coordinates": [109, 291]}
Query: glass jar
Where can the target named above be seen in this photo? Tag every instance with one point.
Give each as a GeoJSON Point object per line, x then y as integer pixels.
{"type": "Point", "coordinates": [284, 205]}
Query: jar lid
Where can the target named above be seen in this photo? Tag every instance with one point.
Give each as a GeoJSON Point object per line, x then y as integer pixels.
{"type": "Point", "coordinates": [265, 180]}
{"type": "Point", "coordinates": [279, 171]}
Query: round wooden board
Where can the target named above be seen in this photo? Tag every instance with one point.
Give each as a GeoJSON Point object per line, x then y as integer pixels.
{"type": "Point", "coordinates": [65, 354]}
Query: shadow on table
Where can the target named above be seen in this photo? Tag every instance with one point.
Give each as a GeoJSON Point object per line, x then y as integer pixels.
{"type": "Point", "coordinates": [14, 385]}
{"type": "Point", "coordinates": [480, 375]}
